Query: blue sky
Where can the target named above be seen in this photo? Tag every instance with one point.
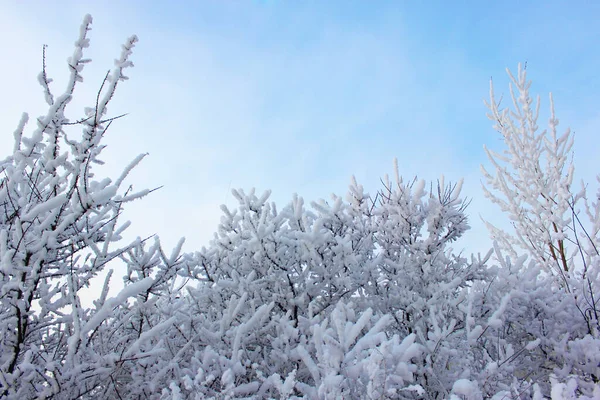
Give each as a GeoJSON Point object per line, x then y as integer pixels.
{"type": "Point", "coordinates": [297, 96]}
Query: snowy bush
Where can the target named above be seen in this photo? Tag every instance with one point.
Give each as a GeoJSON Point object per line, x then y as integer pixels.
{"type": "Point", "coordinates": [258, 353]}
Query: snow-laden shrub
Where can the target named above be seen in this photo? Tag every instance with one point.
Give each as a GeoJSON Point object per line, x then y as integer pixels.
{"type": "Point", "coordinates": [255, 353]}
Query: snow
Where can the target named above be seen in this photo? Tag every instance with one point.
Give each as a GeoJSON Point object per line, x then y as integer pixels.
{"type": "Point", "coordinates": [351, 298]}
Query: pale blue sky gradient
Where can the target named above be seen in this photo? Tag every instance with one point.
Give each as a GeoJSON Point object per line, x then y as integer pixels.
{"type": "Point", "coordinates": [297, 96]}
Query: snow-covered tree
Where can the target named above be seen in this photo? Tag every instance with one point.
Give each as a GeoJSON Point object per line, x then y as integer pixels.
{"type": "Point", "coordinates": [554, 301]}
{"type": "Point", "coordinates": [59, 224]}
{"type": "Point", "coordinates": [533, 183]}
